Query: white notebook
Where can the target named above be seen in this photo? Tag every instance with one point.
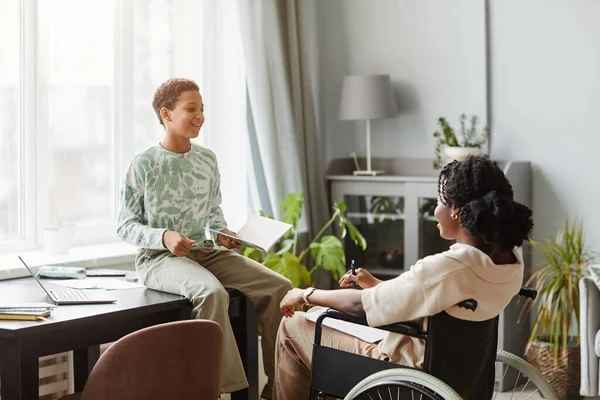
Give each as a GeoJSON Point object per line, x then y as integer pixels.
{"type": "Point", "coordinates": [364, 333]}
{"type": "Point", "coordinates": [260, 233]}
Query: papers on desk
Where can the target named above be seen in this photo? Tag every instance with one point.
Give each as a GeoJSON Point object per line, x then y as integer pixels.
{"type": "Point", "coordinates": [98, 283]}
{"type": "Point", "coordinates": [364, 333]}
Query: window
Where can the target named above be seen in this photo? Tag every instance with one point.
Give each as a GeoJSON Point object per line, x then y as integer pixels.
{"type": "Point", "coordinates": [153, 56]}
{"type": "Point", "coordinates": [11, 220]}
{"type": "Point", "coordinates": [76, 85]}
{"type": "Point", "coordinates": [75, 97]}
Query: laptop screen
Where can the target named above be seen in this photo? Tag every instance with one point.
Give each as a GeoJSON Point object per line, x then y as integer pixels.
{"type": "Point", "coordinates": [35, 277]}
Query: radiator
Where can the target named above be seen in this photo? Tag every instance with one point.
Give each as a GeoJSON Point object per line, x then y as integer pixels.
{"type": "Point", "coordinates": [54, 376]}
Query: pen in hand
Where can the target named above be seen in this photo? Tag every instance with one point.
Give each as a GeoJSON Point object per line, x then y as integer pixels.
{"type": "Point", "coordinates": [353, 270]}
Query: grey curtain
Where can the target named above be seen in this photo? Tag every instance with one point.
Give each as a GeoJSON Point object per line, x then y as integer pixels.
{"type": "Point", "coordinates": [280, 55]}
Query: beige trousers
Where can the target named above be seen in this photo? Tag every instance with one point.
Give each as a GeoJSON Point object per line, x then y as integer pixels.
{"type": "Point", "coordinates": [294, 351]}
{"type": "Point", "coordinates": [203, 277]}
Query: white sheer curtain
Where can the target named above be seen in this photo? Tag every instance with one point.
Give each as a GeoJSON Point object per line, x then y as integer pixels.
{"type": "Point", "coordinates": [280, 53]}
{"type": "Point", "coordinates": [223, 87]}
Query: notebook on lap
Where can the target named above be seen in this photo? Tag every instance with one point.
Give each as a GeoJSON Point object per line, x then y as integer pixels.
{"type": "Point", "coordinates": [74, 296]}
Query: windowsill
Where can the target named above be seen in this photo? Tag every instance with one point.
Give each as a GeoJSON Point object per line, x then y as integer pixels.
{"type": "Point", "coordinates": [93, 256]}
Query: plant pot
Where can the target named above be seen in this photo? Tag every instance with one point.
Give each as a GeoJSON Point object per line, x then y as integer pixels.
{"type": "Point", "coordinates": [460, 153]}
{"type": "Point", "coordinates": [57, 241]}
{"type": "Point", "coordinates": [565, 376]}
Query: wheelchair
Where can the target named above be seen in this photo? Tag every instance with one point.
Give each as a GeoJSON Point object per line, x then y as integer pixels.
{"type": "Point", "coordinates": [461, 362]}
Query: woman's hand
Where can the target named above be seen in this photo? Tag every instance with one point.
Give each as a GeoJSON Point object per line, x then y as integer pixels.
{"type": "Point", "coordinates": [362, 278]}
{"type": "Point", "coordinates": [226, 242]}
{"type": "Point", "coordinates": [292, 299]}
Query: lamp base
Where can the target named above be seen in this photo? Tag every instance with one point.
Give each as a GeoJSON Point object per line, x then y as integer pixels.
{"type": "Point", "coordinates": [368, 172]}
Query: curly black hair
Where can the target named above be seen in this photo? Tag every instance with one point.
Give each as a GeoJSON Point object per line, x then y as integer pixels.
{"type": "Point", "coordinates": [478, 188]}
{"type": "Point", "coordinates": [168, 93]}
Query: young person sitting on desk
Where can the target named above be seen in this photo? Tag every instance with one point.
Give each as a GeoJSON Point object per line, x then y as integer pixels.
{"type": "Point", "coordinates": [170, 194]}
{"type": "Point", "coordinates": [475, 208]}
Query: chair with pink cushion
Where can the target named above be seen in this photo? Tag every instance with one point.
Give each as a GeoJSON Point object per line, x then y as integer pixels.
{"type": "Point", "coordinates": [177, 360]}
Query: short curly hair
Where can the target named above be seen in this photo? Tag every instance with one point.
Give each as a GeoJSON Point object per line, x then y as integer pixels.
{"type": "Point", "coordinates": [478, 188]}
{"type": "Point", "coordinates": [167, 94]}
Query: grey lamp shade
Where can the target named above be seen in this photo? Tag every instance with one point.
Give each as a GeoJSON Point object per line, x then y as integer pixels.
{"type": "Point", "coordinates": [367, 97]}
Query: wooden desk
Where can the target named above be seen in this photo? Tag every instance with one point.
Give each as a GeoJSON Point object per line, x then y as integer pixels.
{"type": "Point", "coordinates": [83, 328]}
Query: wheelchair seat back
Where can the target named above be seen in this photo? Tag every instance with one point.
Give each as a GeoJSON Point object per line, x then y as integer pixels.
{"type": "Point", "coordinates": [462, 354]}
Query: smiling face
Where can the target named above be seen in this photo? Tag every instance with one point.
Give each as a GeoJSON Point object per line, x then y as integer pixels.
{"type": "Point", "coordinates": [187, 116]}
{"type": "Point", "coordinates": [448, 222]}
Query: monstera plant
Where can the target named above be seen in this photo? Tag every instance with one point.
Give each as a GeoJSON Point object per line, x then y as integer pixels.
{"type": "Point", "coordinates": [326, 250]}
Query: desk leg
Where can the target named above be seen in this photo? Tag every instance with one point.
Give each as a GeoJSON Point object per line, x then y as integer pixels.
{"type": "Point", "coordinates": [245, 329]}
{"type": "Point", "coordinates": [19, 372]}
{"type": "Point", "coordinates": [83, 362]}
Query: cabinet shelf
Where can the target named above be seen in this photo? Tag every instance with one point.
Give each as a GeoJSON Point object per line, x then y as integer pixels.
{"type": "Point", "coordinates": [375, 216]}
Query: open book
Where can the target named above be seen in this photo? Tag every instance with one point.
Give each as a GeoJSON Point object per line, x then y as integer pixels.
{"type": "Point", "coordinates": [260, 233]}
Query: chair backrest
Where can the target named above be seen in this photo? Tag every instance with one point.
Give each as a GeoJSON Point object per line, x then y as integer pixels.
{"type": "Point", "coordinates": [177, 360]}
{"type": "Point", "coordinates": [462, 354]}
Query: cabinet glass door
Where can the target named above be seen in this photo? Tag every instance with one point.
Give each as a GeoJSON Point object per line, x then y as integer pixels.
{"type": "Point", "coordinates": [430, 241]}
{"type": "Point", "coordinates": [380, 219]}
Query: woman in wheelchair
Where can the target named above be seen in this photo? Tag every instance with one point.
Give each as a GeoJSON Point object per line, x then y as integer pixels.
{"type": "Point", "coordinates": [476, 209]}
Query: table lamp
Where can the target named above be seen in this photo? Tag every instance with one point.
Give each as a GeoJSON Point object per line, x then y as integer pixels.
{"type": "Point", "coordinates": [367, 97]}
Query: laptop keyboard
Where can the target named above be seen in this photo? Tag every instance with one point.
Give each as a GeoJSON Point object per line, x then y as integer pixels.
{"type": "Point", "coordinates": [69, 295]}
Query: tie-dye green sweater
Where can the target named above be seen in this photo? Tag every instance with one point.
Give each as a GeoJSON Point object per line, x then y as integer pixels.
{"type": "Point", "coordinates": [163, 190]}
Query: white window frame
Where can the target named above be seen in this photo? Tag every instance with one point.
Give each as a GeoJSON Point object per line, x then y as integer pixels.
{"type": "Point", "coordinates": [34, 208]}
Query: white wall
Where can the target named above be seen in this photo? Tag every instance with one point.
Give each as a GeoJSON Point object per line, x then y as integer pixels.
{"type": "Point", "coordinates": [434, 51]}
{"type": "Point", "coordinates": [545, 86]}
{"type": "Point", "coordinates": [545, 103]}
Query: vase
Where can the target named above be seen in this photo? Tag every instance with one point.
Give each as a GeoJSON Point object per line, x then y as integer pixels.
{"type": "Point", "coordinates": [460, 153]}
{"type": "Point", "coordinates": [565, 376]}
{"type": "Point", "coordinates": [57, 241]}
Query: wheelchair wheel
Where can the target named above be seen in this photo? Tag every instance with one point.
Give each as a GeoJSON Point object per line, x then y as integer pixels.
{"type": "Point", "coordinates": [401, 383]}
{"type": "Point", "coordinates": [528, 383]}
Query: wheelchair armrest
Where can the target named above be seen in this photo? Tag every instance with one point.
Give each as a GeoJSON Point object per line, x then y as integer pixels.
{"type": "Point", "coordinates": [468, 304]}
{"type": "Point", "coordinates": [404, 328]}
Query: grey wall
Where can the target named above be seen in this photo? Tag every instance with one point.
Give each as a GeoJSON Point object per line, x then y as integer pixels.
{"type": "Point", "coordinates": [544, 79]}
{"type": "Point", "coordinates": [545, 103]}
{"type": "Point", "coordinates": [434, 51]}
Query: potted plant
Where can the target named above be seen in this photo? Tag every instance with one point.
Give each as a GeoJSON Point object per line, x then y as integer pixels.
{"type": "Point", "coordinates": [552, 348]}
{"type": "Point", "coordinates": [326, 251]}
{"type": "Point", "coordinates": [454, 147]}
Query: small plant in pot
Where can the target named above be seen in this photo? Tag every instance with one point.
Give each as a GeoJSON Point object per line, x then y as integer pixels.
{"type": "Point", "coordinates": [552, 348]}
{"type": "Point", "coordinates": [454, 147]}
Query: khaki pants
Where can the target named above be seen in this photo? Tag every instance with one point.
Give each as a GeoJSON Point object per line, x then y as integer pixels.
{"type": "Point", "coordinates": [294, 351]}
{"type": "Point", "coordinates": [203, 277]}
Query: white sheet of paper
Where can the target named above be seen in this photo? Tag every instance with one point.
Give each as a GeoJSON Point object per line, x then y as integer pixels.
{"type": "Point", "coordinates": [260, 232]}
{"type": "Point", "coordinates": [364, 333]}
{"type": "Point", "coordinates": [98, 283]}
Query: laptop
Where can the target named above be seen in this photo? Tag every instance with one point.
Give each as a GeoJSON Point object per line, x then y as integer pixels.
{"type": "Point", "coordinates": [74, 296]}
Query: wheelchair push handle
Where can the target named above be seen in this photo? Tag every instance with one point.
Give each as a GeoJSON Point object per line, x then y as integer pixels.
{"type": "Point", "coordinates": [528, 292]}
